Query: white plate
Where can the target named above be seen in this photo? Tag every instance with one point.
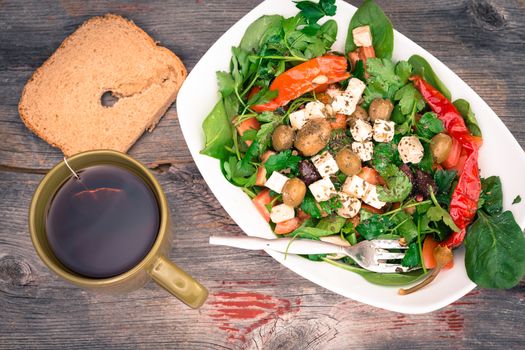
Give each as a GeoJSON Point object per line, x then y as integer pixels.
{"type": "Point", "coordinates": [500, 155]}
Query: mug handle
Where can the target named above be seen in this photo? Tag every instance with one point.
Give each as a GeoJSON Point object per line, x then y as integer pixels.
{"type": "Point", "coordinates": [172, 278]}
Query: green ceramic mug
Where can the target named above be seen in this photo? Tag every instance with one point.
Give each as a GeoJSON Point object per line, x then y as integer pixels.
{"type": "Point", "coordinates": [155, 264]}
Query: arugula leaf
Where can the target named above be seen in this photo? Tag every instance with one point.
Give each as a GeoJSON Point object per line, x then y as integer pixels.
{"type": "Point", "coordinates": [409, 99]}
{"type": "Point", "coordinates": [429, 125]}
{"type": "Point", "coordinates": [332, 223]}
{"type": "Point", "coordinates": [422, 67]}
{"type": "Point", "coordinates": [470, 119]}
{"type": "Point", "coordinates": [412, 257]}
{"type": "Point", "coordinates": [374, 226]}
{"type": "Point", "coordinates": [259, 31]}
{"type": "Point", "coordinates": [218, 132]}
{"type": "Point", "coordinates": [494, 251]}
{"type": "Point", "coordinates": [369, 13]}
{"type": "Point", "coordinates": [309, 206]}
{"type": "Point", "coordinates": [492, 195]}
{"type": "Point", "coordinates": [517, 200]}
{"type": "Point", "coordinates": [444, 179]}
{"type": "Point", "coordinates": [282, 160]}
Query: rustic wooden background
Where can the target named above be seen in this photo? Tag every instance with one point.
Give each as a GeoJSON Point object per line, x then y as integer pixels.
{"type": "Point", "coordinates": [254, 302]}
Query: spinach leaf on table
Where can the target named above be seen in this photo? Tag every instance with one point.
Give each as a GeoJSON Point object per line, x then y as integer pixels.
{"type": "Point", "coordinates": [517, 200]}
{"type": "Point", "coordinates": [218, 132]}
{"type": "Point", "coordinates": [469, 117]}
{"type": "Point", "coordinates": [422, 67]}
{"type": "Point", "coordinates": [491, 195]}
{"type": "Point", "coordinates": [369, 13]}
{"type": "Point", "coordinates": [495, 249]}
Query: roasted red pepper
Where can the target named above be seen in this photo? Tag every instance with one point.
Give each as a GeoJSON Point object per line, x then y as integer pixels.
{"type": "Point", "coordinates": [304, 78]}
{"type": "Point", "coordinates": [464, 203]}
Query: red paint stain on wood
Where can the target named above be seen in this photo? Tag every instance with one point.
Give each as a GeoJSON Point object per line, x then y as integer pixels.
{"type": "Point", "coordinates": [453, 320]}
{"type": "Point", "coordinates": [239, 313]}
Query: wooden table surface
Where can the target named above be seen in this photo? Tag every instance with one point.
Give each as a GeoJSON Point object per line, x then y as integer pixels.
{"type": "Point", "coordinates": [254, 302]}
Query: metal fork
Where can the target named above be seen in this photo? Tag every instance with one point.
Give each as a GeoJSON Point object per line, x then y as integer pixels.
{"type": "Point", "coordinates": [371, 255]}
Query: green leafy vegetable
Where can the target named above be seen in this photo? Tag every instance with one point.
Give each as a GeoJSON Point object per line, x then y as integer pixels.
{"type": "Point", "coordinates": [429, 125]}
{"type": "Point", "coordinates": [398, 185]}
{"type": "Point", "coordinates": [369, 13]}
{"type": "Point", "coordinates": [492, 195]}
{"type": "Point", "coordinates": [422, 67]}
{"type": "Point", "coordinates": [494, 255]}
{"type": "Point", "coordinates": [405, 226]}
{"type": "Point", "coordinates": [259, 31]}
{"type": "Point", "coordinates": [384, 155]}
{"type": "Point", "coordinates": [427, 162]}
{"type": "Point", "coordinates": [330, 205]}
{"type": "Point", "coordinates": [409, 99]}
{"type": "Point", "coordinates": [412, 257]}
{"type": "Point", "coordinates": [282, 160]}
{"type": "Point", "coordinates": [439, 214]}
{"type": "Point", "coordinates": [311, 232]}
{"type": "Point", "coordinates": [403, 71]}
{"type": "Point", "coordinates": [469, 117]}
{"type": "Point", "coordinates": [374, 226]}
{"type": "Point", "coordinates": [332, 223]}
{"type": "Point", "coordinates": [517, 200]}
{"type": "Point", "coordinates": [444, 179]}
{"type": "Point", "coordinates": [315, 11]}
{"type": "Point", "coordinates": [309, 206]}
{"type": "Point", "coordinates": [218, 132]}
{"type": "Point", "coordinates": [382, 279]}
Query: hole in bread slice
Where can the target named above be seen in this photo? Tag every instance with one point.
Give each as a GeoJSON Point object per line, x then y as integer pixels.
{"type": "Point", "coordinates": [108, 99]}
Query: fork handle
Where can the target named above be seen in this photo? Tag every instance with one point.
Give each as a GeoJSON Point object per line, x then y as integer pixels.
{"type": "Point", "coordinates": [297, 246]}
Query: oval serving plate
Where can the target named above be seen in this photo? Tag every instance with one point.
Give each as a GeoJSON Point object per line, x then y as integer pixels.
{"type": "Point", "coordinates": [500, 155]}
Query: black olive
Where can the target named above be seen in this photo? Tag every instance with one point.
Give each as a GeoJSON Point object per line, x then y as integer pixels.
{"type": "Point", "coordinates": [423, 182]}
{"type": "Point", "coordinates": [308, 173]}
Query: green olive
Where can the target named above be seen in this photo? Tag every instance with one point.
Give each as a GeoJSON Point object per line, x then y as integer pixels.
{"type": "Point", "coordinates": [282, 138]}
{"type": "Point", "coordinates": [440, 146]}
{"type": "Point", "coordinates": [294, 191]}
{"type": "Point", "coordinates": [348, 162]}
{"type": "Point", "coordinates": [380, 109]}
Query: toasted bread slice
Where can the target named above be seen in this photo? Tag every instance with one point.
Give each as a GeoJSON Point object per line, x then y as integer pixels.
{"type": "Point", "coordinates": [62, 103]}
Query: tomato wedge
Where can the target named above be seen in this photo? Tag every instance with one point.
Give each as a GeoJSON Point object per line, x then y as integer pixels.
{"type": "Point", "coordinates": [371, 176]}
{"type": "Point", "coordinates": [260, 180]}
{"type": "Point", "coordinates": [453, 156]}
{"type": "Point", "coordinates": [261, 201]}
{"type": "Point", "coordinates": [287, 226]}
{"type": "Point", "coordinates": [338, 122]}
{"type": "Point", "coordinates": [428, 254]}
{"type": "Point", "coordinates": [248, 124]}
{"type": "Point", "coordinates": [304, 78]}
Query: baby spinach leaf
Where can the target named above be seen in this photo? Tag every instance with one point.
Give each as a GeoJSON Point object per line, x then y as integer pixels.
{"type": "Point", "coordinates": [470, 119]}
{"type": "Point", "coordinates": [444, 179]}
{"type": "Point", "coordinates": [218, 132]}
{"type": "Point", "coordinates": [517, 200]}
{"type": "Point", "coordinates": [422, 67]}
{"type": "Point", "coordinates": [382, 279]}
{"type": "Point", "coordinates": [309, 206]}
{"type": "Point", "coordinates": [492, 195]}
{"type": "Point", "coordinates": [282, 160]}
{"type": "Point", "coordinates": [226, 83]}
{"type": "Point", "coordinates": [412, 257]}
{"type": "Point", "coordinates": [494, 251]}
{"type": "Point", "coordinates": [259, 31]}
{"type": "Point", "coordinates": [369, 13]}
{"type": "Point", "coordinates": [374, 226]}
{"type": "Point", "coordinates": [429, 125]}
{"type": "Point", "coordinates": [311, 232]}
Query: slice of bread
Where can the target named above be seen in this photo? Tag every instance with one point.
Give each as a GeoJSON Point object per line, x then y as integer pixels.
{"type": "Point", "coordinates": [62, 104]}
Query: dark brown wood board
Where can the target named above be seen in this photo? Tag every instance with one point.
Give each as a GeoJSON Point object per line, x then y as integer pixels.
{"type": "Point", "coordinates": [481, 40]}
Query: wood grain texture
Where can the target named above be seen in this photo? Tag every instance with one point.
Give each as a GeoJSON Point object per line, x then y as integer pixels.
{"type": "Point", "coordinates": [255, 303]}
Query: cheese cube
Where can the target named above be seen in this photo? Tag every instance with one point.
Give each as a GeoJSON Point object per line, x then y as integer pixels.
{"type": "Point", "coordinates": [361, 130]}
{"type": "Point", "coordinates": [298, 119]}
{"type": "Point", "coordinates": [276, 182]}
{"type": "Point", "coordinates": [282, 212]}
{"type": "Point", "coordinates": [322, 189]}
{"type": "Point", "coordinates": [371, 197]}
{"type": "Point", "coordinates": [333, 91]}
{"type": "Point", "coordinates": [325, 164]}
{"type": "Point", "coordinates": [410, 149]}
{"type": "Point", "coordinates": [362, 36]}
{"type": "Point", "coordinates": [384, 130]}
{"type": "Point", "coordinates": [355, 186]}
{"type": "Point", "coordinates": [365, 150]}
{"type": "Point", "coordinates": [350, 205]}
{"type": "Point", "coordinates": [347, 101]}
{"type": "Point", "coordinates": [314, 110]}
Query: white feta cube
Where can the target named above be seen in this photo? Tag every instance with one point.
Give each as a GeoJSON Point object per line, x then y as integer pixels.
{"type": "Point", "coordinates": [325, 164]}
{"type": "Point", "coordinates": [371, 197]}
{"type": "Point", "coordinates": [282, 212]}
{"type": "Point", "coordinates": [350, 205]}
{"type": "Point", "coordinates": [322, 189]}
{"type": "Point", "coordinates": [276, 182]}
{"type": "Point", "coordinates": [355, 186]}
{"type": "Point", "coordinates": [333, 91]}
{"type": "Point", "coordinates": [347, 101]}
{"type": "Point", "coordinates": [384, 130]}
{"type": "Point", "coordinates": [361, 130]}
{"type": "Point", "coordinates": [365, 150]}
{"type": "Point", "coordinates": [314, 110]}
{"type": "Point", "coordinates": [410, 149]}
{"type": "Point", "coordinates": [298, 119]}
{"type": "Point", "coordinates": [362, 36]}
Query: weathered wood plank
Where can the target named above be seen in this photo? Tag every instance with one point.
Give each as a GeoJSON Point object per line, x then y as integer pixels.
{"type": "Point", "coordinates": [480, 40]}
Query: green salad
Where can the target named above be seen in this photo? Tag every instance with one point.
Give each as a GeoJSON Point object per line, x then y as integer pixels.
{"type": "Point", "coordinates": [351, 146]}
